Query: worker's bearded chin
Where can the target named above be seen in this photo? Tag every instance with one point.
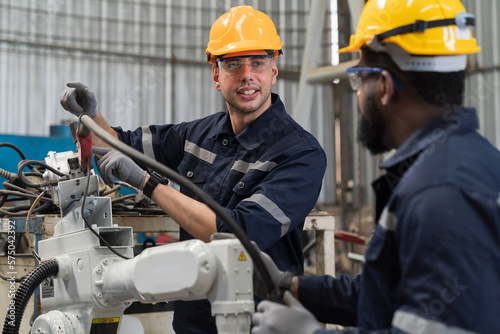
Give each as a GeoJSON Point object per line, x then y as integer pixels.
{"type": "Point", "coordinates": [371, 127]}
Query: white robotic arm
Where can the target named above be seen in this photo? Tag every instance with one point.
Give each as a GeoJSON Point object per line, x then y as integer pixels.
{"type": "Point", "coordinates": [220, 271]}
{"type": "Point", "coordinates": [94, 285]}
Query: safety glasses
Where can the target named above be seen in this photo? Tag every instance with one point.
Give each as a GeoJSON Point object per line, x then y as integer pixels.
{"type": "Point", "coordinates": [353, 73]}
{"type": "Point", "coordinates": [256, 63]}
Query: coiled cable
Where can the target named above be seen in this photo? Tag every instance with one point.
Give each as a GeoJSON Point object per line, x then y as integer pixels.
{"type": "Point", "coordinates": [17, 306]}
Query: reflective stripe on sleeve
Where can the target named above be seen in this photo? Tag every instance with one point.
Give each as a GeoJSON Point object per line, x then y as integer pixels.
{"type": "Point", "coordinates": [388, 220]}
{"type": "Point", "coordinates": [272, 209]}
{"type": "Point", "coordinates": [243, 166]}
{"type": "Point", "coordinates": [414, 324]}
{"type": "Point", "coordinates": [147, 142]}
{"type": "Point", "coordinates": [199, 152]}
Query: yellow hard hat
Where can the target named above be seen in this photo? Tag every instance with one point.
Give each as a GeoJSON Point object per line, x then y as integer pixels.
{"type": "Point", "coordinates": [242, 29]}
{"type": "Point", "coordinates": [420, 27]}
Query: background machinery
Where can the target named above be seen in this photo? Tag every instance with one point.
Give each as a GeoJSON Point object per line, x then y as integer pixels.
{"type": "Point", "coordinates": [89, 275]}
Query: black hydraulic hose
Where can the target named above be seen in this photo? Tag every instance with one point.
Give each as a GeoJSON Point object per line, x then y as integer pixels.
{"type": "Point", "coordinates": [17, 149]}
{"type": "Point", "coordinates": [26, 182]}
{"type": "Point", "coordinates": [231, 225]}
{"type": "Point", "coordinates": [16, 308]}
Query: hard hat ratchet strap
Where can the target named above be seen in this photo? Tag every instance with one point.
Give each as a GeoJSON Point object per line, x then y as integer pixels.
{"type": "Point", "coordinates": [461, 20]}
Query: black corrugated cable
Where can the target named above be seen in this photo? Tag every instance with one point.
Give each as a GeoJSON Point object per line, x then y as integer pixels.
{"type": "Point", "coordinates": [45, 270]}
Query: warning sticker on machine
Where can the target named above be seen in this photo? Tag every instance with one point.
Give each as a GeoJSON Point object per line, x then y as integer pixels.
{"type": "Point", "coordinates": [47, 288]}
{"type": "Point", "coordinates": [105, 325]}
{"type": "Point", "coordinates": [242, 257]}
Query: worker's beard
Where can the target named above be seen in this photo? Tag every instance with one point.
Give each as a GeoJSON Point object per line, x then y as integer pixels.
{"type": "Point", "coordinates": [371, 127]}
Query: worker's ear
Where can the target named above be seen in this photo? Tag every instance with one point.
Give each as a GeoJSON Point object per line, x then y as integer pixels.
{"type": "Point", "coordinates": [387, 88]}
{"type": "Point", "coordinates": [275, 71]}
{"type": "Point", "coordinates": [215, 77]}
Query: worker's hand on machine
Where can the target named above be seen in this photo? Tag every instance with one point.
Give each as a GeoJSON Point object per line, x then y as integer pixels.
{"type": "Point", "coordinates": [114, 163]}
{"type": "Point", "coordinates": [79, 99]}
{"type": "Point", "coordinates": [274, 318]}
{"type": "Point", "coordinates": [278, 279]}
{"type": "Point", "coordinates": [277, 276]}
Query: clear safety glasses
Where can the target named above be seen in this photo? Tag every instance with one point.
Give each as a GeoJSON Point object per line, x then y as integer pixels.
{"type": "Point", "coordinates": [234, 65]}
{"type": "Point", "coordinates": [353, 73]}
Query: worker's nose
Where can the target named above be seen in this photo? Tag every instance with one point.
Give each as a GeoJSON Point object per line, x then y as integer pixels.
{"type": "Point", "coordinates": [246, 71]}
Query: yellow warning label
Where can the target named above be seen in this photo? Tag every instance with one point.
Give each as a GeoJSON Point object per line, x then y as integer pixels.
{"type": "Point", "coordinates": [242, 257]}
{"type": "Point", "coordinates": [105, 320]}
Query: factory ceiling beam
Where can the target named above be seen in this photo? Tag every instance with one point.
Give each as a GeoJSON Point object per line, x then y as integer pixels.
{"type": "Point", "coordinates": [329, 73]}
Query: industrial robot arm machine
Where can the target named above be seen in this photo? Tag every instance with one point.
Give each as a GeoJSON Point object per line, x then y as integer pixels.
{"type": "Point", "coordinates": [95, 283]}
{"type": "Point", "coordinates": [94, 286]}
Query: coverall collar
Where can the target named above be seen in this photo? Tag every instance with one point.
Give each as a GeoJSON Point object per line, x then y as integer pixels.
{"type": "Point", "coordinates": [260, 130]}
{"type": "Point", "coordinates": [459, 121]}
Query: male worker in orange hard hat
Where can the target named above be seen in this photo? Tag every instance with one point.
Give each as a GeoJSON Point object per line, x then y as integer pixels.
{"type": "Point", "coordinates": [432, 264]}
{"type": "Point", "coordinates": [254, 159]}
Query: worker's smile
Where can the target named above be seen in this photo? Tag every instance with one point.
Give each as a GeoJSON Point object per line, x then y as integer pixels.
{"type": "Point", "coordinates": [248, 93]}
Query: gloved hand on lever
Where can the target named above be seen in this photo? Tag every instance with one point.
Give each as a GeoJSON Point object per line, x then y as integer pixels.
{"type": "Point", "coordinates": [79, 99]}
{"type": "Point", "coordinates": [280, 279]}
{"type": "Point", "coordinates": [114, 163]}
{"type": "Point", "coordinates": [273, 318]}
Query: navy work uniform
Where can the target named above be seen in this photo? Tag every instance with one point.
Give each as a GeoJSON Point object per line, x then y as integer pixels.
{"type": "Point", "coordinates": [267, 178]}
{"type": "Point", "coordinates": [432, 265]}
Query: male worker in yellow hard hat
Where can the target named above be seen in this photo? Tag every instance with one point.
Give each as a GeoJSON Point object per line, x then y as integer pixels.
{"type": "Point", "coordinates": [254, 159]}
{"type": "Point", "coordinates": [432, 264]}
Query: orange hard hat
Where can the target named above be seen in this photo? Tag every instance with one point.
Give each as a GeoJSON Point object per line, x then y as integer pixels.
{"type": "Point", "coordinates": [242, 29]}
